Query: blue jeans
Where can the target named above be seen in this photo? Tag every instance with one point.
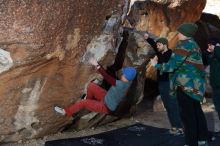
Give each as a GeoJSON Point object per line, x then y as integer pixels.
{"type": "Point", "coordinates": [170, 104]}
{"type": "Point", "coordinates": [216, 100]}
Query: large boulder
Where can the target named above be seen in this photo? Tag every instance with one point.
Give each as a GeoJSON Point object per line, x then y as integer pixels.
{"type": "Point", "coordinates": [42, 50]}
{"type": "Point", "coordinates": [162, 17]}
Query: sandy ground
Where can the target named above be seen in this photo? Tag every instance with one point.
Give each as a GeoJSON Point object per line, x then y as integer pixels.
{"type": "Point", "coordinates": [148, 117]}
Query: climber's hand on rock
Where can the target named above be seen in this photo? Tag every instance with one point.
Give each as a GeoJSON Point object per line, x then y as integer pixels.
{"type": "Point", "coordinates": [146, 35]}
{"type": "Point", "coordinates": [93, 61]}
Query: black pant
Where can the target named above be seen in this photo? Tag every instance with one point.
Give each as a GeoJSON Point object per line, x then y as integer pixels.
{"type": "Point", "coordinates": [193, 119]}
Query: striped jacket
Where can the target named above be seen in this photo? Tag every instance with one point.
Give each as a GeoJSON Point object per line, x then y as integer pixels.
{"type": "Point", "coordinates": [186, 69]}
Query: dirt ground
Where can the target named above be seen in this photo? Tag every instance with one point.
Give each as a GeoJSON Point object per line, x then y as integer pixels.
{"type": "Point", "coordinates": [157, 118]}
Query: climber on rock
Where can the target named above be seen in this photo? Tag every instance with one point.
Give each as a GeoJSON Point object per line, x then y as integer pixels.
{"type": "Point", "coordinates": [98, 99]}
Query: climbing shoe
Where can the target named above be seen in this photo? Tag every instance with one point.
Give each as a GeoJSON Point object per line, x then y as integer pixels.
{"type": "Point", "coordinates": [59, 110]}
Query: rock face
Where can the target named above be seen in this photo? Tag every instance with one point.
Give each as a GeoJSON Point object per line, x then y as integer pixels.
{"type": "Point", "coordinates": [42, 44]}
{"type": "Point", "coordinates": [162, 17]}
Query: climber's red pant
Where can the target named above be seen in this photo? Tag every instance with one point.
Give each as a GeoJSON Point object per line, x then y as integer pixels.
{"type": "Point", "coordinates": [94, 101]}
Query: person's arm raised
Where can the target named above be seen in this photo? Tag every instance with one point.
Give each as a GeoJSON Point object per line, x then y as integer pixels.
{"type": "Point", "coordinates": [151, 41]}
{"type": "Point", "coordinates": [111, 80]}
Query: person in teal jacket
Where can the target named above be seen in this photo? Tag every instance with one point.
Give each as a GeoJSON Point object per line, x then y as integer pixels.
{"type": "Point", "coordinates": [188, 84]}
{"type": "Point", "coordinates": [213, 58]}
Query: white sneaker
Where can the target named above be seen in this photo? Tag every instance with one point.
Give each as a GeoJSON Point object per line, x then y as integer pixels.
{"type": "Point", "coordinates": [176, 131]}
{"type": "Point", "coordinates": [59, 110]}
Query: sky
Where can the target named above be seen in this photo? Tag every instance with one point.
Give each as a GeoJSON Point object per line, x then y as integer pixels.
{"type": "Point", "coordinates": [213, 7]}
